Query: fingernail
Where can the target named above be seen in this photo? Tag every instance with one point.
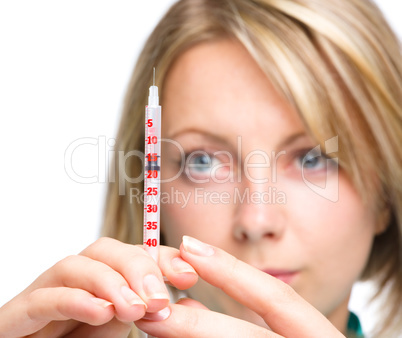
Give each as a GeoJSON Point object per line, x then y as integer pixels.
{"type": "Point", "coordinates": [167, 281]}
{"type": "Point", "coordinates": [180, 266]}
{"type": "Point", "coordinates": [197, 247]}
{"type": "Point", "coordinates": [101, 302]}
{"type": "Point", "coordinates": [154, 288]}
{"type": "Point", "coordinates": [131, 297]}
{"type": "Point", "coordinates": [158, 316]}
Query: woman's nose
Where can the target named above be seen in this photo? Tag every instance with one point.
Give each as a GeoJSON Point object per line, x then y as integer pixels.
{"type": "Point", "coordinates": [260, 214]}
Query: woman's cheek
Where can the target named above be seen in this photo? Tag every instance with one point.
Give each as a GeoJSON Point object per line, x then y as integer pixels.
{"type": "Point", "coordinates": [335, 236]}
{"type": "Point", "coordinates": [204, 212]}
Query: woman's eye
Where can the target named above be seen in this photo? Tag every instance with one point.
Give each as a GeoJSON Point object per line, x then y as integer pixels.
{"type": "Point", "coordinates": [312, 160]}
{"type": "Point", "coordinates": [200, 163]}
{"type": "Point", "coordinates": [201, 167]}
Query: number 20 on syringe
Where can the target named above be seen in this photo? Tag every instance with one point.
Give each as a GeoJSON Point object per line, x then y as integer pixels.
{"type": "Point", "coordinates": [152, 173]}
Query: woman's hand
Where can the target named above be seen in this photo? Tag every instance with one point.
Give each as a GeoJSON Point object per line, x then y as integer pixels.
{"type": "Point", "coordinates": [284, 311]}
{"type": "Point", "coordinates": [99, 292]}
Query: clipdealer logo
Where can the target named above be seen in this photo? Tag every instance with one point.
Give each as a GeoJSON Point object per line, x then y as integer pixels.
{"type": "Point", "coordinates": [101, 148]}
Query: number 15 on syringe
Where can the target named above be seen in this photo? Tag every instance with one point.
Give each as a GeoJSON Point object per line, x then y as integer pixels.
{"type": "Point", "coordinates": [152, 172]}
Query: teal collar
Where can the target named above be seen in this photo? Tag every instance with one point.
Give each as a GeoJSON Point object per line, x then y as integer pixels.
{"type": "Point", "coordinates": [354, 327]}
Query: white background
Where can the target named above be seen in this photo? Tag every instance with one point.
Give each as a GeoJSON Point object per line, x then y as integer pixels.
{"type": "Point", "coordinates": [64, 68]}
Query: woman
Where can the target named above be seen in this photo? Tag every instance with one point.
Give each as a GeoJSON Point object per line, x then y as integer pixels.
{"type": "Point", "coordinates": [249, 88]}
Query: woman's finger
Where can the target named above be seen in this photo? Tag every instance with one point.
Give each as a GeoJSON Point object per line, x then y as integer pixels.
{"type": "Point", "coordinates": [137, 267]}
{"type": "Point", "coordinates": [64, 303]}
{"type": "Point", "coordinates": [183, 321]}
{"type": "Point", "coordinates": [54, 304]}
{"type": "Point", "coordinates": [99, 279]}
{"type": "Point", "coordinates": [113, 329]}
{"type": "Point", "coordinates": [71, 329]}
{"type": "Point", "coordinates": [141, 272]}
{"type": "Point", "coordinates": [276, 302]}
{"type": "Point", "coordinates": [178, 272]}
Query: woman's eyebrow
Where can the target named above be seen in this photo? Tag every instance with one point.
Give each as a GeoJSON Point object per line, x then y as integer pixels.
{"type": "Point", "coordinates": [289, 140]}
{"type": "Point", "coordinates": [286, 142]}
{"type": "Point", "coordinates": [200, 132]}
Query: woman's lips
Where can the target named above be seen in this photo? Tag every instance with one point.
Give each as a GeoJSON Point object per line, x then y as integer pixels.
{"type": "Point", "coordinates": [283, 275]}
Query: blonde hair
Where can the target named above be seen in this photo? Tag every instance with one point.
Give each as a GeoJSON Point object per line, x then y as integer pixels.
{"type": "Point", "coordinates": [336, 61]}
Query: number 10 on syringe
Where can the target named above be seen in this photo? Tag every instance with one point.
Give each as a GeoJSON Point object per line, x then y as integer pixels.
{"type": "Point", "coordinates": [152, 173]}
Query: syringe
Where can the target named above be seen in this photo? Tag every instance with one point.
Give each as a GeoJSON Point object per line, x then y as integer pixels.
{"type": "Point", "coordinates": [152, 172]}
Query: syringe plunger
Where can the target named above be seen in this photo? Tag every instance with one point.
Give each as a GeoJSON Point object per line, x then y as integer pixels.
{"type": "Point", "coordinates": [153, 98]}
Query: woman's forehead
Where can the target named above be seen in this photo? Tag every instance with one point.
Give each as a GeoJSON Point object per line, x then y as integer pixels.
{"type": "Point", "coordinates": [218, 88]}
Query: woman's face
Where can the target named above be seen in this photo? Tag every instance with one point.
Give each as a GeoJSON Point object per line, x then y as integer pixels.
{"type": "Point", "coordinates": [240, 148]}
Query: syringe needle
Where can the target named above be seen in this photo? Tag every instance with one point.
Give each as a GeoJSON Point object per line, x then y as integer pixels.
{"type": "Point", "coordinates": [154, 78]}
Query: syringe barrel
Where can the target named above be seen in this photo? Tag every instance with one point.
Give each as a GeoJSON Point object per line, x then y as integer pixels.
{"type": "Point", "coordinates": [152, 172]}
